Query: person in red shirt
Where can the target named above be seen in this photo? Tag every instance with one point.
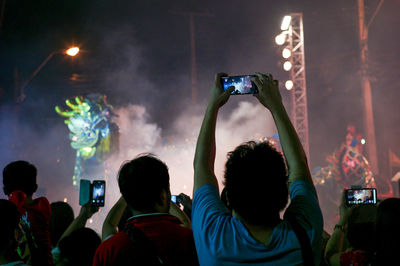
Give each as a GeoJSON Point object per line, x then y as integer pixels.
{"type": "Point", "coordinates": [152, 235]}
{"type": "Point", "coordinates": [19, 181]}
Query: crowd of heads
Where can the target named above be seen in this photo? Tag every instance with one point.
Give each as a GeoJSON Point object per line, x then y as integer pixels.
{"type": "Point", "coordinates": [143, 180]}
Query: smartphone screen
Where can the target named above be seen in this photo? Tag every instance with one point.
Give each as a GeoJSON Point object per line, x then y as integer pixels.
{"type": "Point", "coordinates": [98, 192]}
{"type": "Point", "coordinates": [174, 199]}
{"type": "Point", "coordinates": [361, 196]}
{"type": "Point", "coordinates": [242, 84]}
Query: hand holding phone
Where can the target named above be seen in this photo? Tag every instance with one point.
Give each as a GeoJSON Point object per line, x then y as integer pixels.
{"type": "Point", "coordinates": [94, 193]}
{"type": "Point", "coordinates": [243, 84]}
{"type": "Point", "coordinates": [360, 196]}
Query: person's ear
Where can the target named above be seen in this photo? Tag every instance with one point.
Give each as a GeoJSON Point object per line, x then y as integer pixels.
{"type": "Point", "coordinates": [165, 198]}
{"type": "Point", "coordinates": [36, 188]}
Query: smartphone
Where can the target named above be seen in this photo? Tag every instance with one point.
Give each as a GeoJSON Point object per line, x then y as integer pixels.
{"type": "Point", "coordinates": [360, 196]}
{"type": "Point", "coordinates": [243, 84]}
{"type": "Point", "coordinates": [174, 199]}
{"type": "Point", "coordinates": [98, 194]}
{"type": "Point", "coordinates": [94, 192]}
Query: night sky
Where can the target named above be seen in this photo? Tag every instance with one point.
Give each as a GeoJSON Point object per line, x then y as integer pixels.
{"type": "Point", "coordinates": [138, 52]}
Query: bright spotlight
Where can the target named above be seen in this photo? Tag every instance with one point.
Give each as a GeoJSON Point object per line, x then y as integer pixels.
{"type": "Point", "coordinates": [363, 141]}
{"type": "Point", "coordinates": [287, 66]}
{"type": "Point", "coordinates": [72, 51]}
{"type": "Point", "coordinates": [286, 53]}
{"type": "Point", "coordinates": [289, 85]}
{"type": "Point", "coordinates": [280, 39]}
{"type": "Point", "coordinates": [286, 22]}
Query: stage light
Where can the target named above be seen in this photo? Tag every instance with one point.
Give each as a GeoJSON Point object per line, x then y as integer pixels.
{"type": "Point", "coordinates": [280, 39]}
{"type": "Point", "coordinates": [289, 85]}
{"type": "Point", "coordinates": [286, 22]}
{"type": "Point", "coordinates": [363, 141]}
{"type": "Point", "coordinates": [286, 53]}
{"type": "Point", "coordinates": [287, 66]}
{"type": "Point", "coordinates": [72, 51]}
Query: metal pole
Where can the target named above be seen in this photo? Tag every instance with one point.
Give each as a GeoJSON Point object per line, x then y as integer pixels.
{"type": "Point", "coordinates": [366, 91]}
{"type": "Point", "coordinates": [193, 59]}
{"type": "Point", "coordinates": [35, 73]}
{"type": "Point", "coordinates": [193, 64]}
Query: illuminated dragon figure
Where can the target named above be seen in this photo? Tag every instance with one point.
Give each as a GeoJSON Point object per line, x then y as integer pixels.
{"type": "Point", "coordinates": [347, 166]}
{"type": "Point", "coordinates": [92, 133]}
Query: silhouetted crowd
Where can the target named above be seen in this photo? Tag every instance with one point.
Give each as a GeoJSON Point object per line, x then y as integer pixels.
{"type": "Point", "coordinates": [267, 214]}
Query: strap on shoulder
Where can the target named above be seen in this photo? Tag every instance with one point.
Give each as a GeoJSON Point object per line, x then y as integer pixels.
{"type": "Point", "coordinates": [306, 250]}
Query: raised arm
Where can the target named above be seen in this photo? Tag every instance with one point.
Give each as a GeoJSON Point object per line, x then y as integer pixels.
{"type": "Point", "coordinates": [110, 225]}
{"type": "Point", "coordinates": [85, 213]}
{"type": "Point", "coordinates": [337, 243]}
{"type": "Point", "coordinates": [296, 159]}
{"type": "Point", "coordinates": [205, 149]}
{"type": "Point", "coordinates": [174, 210]}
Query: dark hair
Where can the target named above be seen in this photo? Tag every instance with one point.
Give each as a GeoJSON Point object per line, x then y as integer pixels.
{"type": "Point", "coordinates": [8, 223]}
{"type": "Point", "coordinates": [361, 227]}
{"type": "Point", "coordinates": [256, 182]}
{"type": "Point", "coordinates": [62, 216]}
{"type": "Point", "coordinates": [80, 246]}
{"type": "Point", "coordinates": [20, 175]}
{"type": "Point", "coordinates": [387, 231]}
{"type": "Point", "coordinates": [142, 180]}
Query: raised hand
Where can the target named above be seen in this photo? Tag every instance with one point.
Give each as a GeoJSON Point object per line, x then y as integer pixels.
{"type": "Point", "coordinates": [268, 90]}
{"type": "Point", "coordinates": [218, 97]}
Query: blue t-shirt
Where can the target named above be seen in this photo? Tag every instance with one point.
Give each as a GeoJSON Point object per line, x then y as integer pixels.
{"type": "Point", "coordinates": [223, 240]}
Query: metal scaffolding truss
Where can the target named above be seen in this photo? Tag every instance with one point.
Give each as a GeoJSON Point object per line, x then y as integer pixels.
{"type": "Point", "coordinates": [298, 76]}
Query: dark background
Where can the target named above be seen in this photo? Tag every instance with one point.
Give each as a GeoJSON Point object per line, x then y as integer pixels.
{"type": "Point", "coordinates": [138, 52]}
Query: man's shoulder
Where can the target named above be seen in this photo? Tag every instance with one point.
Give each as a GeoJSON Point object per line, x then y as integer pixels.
{"type": "Point", "coordinates": [169, 238]}
{"type": "Point", "coordinates": [161, 224]}
{"type": "Point", "coordinates": [116, 243]}
{"type": "Point", "coordinates": [115, 250]}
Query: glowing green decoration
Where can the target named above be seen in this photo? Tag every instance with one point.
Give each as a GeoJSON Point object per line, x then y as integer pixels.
{"type": "Point", "coordinates": [88, 121]}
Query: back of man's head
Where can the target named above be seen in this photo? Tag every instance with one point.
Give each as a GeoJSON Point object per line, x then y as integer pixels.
{"type": "Point", "coordinates": [361, 227]}
{"type": "Point", "coordinates": [8, 223]}
{"type": "Point", "coordinates": [142, 180]}
{"type": "Point", "coordinates": [387, 231]}
{"type": "Point", "coordinates": [256, 182]}
{"type": "Point", "coordinates": [80, 246]}
{"type": "Point", "coordinates": [20, 175]}
{"type": "Point", "coordinates": [62, 216]}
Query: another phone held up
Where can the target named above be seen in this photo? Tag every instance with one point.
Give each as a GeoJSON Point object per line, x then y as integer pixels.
{"type": "Point", "coordinates": [243, 84]}
{"type": "Point", "coordinates": [94, 192]}
{"type": "Point", "coordinates": [360, 196]}
{"type": "Point", "coordinates": [175, 199]}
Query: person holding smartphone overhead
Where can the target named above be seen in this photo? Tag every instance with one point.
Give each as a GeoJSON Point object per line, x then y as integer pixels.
{"type": "Point", "coordinates": [257, 188]}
